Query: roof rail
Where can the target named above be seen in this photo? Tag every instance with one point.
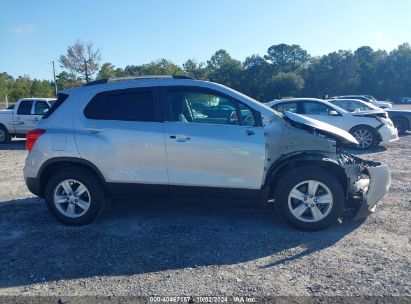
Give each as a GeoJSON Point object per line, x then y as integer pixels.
{"type": "Point", "coordinates": [142, 77]}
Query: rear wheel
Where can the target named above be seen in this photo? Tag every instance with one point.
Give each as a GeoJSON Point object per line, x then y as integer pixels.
{"type": "Point", "coordinates": [365, 136]}
{"type": "Point", "coordinates": [310, 198]}
{"type": "Point", "coordinates": [75, 196]}
{"type": "Point", "coordinates": [401, 124]}
{"type": "Point", "coordinates": [4, 135]}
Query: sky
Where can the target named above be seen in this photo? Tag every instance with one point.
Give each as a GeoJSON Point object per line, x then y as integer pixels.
{"type": "Point", "coordinates": [132, 32]}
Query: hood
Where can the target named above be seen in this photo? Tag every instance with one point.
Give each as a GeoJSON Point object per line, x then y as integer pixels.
{"type": "Point", "coordinates": [371, 113]}
{"type": "Point", "coordinates": [321, 127]}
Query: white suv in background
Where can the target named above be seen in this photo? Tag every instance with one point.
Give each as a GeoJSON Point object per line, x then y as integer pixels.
{"type": "Point", "coordinates": [175, 136]}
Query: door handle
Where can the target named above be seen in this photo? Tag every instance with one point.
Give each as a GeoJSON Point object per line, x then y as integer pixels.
{"type": "Point", "coordinates": [36, 119]}
{"type": "Point", "coordinates": [180, 137]}
{"type": "Point", "coordinates": [249, 132]}
{"type": "Point", "coordinates": [93, 130]}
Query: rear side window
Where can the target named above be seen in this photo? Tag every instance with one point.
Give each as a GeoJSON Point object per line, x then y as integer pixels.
{"type": "Point", "coordinates": [25, 107]}
{"type": "Point", "coordinates": [40, 107]}
{"type": "Point", "coordinates": [60, 99]}
{"type": "Point", "coordinates": [124, 105]}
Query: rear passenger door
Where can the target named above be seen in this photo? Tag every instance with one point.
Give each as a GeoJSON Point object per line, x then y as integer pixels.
{"type": "Point", "coordinates": [121, 133]}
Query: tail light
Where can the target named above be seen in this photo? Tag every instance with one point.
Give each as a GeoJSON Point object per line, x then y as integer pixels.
{"type": "Point", "coordinates": [32, 136]}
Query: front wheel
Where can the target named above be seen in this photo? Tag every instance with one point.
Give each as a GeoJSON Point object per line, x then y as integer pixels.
{"type": "Point", "coordinates": [365, 136]}
{"type": "Point", "coordinates": [310, 198]}
{"type": "Point", "coordinates": [75, 196]}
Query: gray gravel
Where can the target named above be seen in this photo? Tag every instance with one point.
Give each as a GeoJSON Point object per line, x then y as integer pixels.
{"type": "Point", "coordinates": [203, 247]}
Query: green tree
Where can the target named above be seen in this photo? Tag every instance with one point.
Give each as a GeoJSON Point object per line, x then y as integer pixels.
{"type": "Point", "coordinates": [20, 88]}
{"type": "Point", "coordinates": [334, 74]}
{"type": "Point", "coordinates": [225, 70]}
{"type": "Point", "coordinates": [6, 82]}
{"type": "Point", "coordinates": [66, 80]}
{"type": "Point", "coordinates": [282, 85]}
{"type": "Point", "coordinates": [257, 72]}
{"type": "Point", "coordinates": [196, 70]}
{"type": "Point", "coordinates": [41, 88]}
{"type": "Point", "coordinates": [157, 67]}
{"type": "Point", "coordinates": [107, 70]}
{"type": "Point", "coordinates": [287, 58]}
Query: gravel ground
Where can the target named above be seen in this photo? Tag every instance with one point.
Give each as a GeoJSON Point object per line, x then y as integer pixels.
{"type": "Point", "coordinates": [204, 247]}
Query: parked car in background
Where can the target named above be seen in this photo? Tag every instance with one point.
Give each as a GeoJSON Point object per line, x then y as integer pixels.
{"type": "Point", "coordinates": [404, 100]}
{"type": "Point", "coordinates": [139, 136]}
{"type": "Point", "coordinates": [400, 118]}
{"type": "Point", "coordinates": [22, 117]}
{"type": "Point", "coordinates": [369, 128]}
{"type": "Point", "coordinates": [367, 98]}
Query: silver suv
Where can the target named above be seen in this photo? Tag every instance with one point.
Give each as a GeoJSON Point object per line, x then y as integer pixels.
{"type": "Point", "coordinates": [175, 136]}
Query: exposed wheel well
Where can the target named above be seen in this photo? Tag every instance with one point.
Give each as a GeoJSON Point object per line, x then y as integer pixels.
{"type": "Point", "coordinates": [54, 166]}
{"type": "Point", "coordinates": [329, 166]}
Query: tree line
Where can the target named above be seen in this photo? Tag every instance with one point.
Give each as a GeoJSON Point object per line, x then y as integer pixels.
{"type": "Point", "coordinates": [285, 70]}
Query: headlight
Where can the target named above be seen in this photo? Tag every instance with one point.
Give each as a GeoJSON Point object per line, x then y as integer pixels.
{"type": "Point", "coordinates": [385, 121]}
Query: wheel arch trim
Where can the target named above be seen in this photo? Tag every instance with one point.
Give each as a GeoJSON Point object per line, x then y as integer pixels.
{"type": "Point", "coordinates": [75, 160]}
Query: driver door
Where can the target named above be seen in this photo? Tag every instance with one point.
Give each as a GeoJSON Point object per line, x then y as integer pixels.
{"type": "Point", "coordinates": [211, 146]}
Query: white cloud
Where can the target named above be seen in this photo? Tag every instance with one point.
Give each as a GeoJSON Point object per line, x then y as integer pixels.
{"type": "Point", "coordinates": [23, 29]}
{"type": "Point", "coordinates": [378, 36]}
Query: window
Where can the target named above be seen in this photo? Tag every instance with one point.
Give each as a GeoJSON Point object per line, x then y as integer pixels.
{"type": "Point", "coordinates": [40, 107]}
{"type": "Point", "coordinates": [206, 107]}
{"type": "Point", "coordinates": [316, 108]}
{"type": "Point", "coordinates": [290, 107]}
{"type": "Point", "coordinates": [123, 105]}
{"type": "Point", "coordinates": [25, 107]}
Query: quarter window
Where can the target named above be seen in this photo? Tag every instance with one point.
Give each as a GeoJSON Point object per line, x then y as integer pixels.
{"type": "Point", "coordinates": [122, 105]}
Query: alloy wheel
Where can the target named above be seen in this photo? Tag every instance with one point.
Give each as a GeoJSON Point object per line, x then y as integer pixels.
{"type": "Point", "coordinates": [364, 138]}
{"type": "Point", "coordinates": [310, 201]}
{"type": "Point", "coordinates": [71, 198]}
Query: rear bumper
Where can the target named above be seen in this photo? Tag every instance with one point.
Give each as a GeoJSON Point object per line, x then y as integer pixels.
{"type": "Point", "coordinates": [388, 135]}
{"type": "Point", "coordinates": [378, 185]}
{"type": "Point", "coordinates": [33, 185]}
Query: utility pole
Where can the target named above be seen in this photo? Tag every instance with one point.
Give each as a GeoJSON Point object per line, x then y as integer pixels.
{"type": "Point", "coordinates": [54, 76]}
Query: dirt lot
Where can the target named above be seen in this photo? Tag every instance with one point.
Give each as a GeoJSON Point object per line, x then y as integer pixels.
{"type": "Point", "coordinates": [182, 247]}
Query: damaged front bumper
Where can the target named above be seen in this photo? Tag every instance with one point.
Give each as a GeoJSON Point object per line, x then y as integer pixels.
{"type": "Point", "coordinates": [368, 183]}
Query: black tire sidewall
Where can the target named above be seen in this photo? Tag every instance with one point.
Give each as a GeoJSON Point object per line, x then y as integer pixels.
{"type": "Point", "coordinates": [289, 181]}
{"type": "Point", "coordinates": [94, 187]}
{"type": "Point", "coordinates": [7, 138]}
{"type": "Point", "coordinates": [374, 138]}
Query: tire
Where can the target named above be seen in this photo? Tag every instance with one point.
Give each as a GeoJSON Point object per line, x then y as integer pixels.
{"type": "Point", "coordinates": [365, 136]}
{"type": "Point", "coordinates": [401, 124]}
{"type": "Point", "coordinates": [5, 136]}
{"type": "Point", "coordinates": [84, 208]}
{"type": "Point", "coordinates": [301, 179]}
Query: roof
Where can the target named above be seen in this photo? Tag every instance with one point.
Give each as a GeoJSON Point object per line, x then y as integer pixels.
{"type": "Point", "coordinates": [141, 77]}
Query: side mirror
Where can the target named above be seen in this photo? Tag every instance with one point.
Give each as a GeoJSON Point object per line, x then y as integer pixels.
{"type": "Point", "coordinates": [45, 111]}
{"type": "Point", "coordinates": [334, 113]}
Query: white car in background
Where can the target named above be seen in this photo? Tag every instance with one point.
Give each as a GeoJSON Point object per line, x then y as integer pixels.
{"type": "Point", "coordinates": [367, 98]}
{"type": "Point", "coordinates": [368, 127]}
